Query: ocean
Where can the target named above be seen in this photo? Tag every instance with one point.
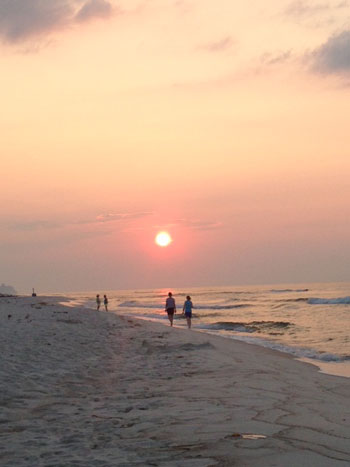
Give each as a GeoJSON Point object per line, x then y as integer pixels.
{"type": "Point", "coordinates": [308, 321]}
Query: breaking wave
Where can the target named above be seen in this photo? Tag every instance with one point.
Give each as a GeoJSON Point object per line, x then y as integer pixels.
{"type": "Point", "coordinates": [269, 327]}
{"type": "Point", "coordinates": [287, 290]}
{"type": "Point", "coordinates": [298, 352]}
{"type": "Point", "coordinates": [300, 299]}
{"type": "Point", "coordinates": [221, 307]}
{"type": "Point", "coordinates": [137, 304]}
{"type": "Point", "coordinates": [329, 301]}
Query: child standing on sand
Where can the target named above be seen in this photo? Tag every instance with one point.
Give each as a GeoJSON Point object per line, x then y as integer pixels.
{"type": "Point", "coordinates": [187, 309]}
{"type": "Point", "coordinates": [98, 302]}
{"type": "Point", "coordinates": [105, 302]}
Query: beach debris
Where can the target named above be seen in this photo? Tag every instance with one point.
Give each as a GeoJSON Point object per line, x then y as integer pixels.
{"type": "Point", "coordinates": [127, 425]}
{"type": "Point", "coordinates": [105, 417]}
{"type": "Point", "coordinates": [191, 346]}
{"type": "Point", "coordinates": [127, 409]}
{"type": "Point", "coordinates": [250, 436]}
{"type": "Point", "coordinates": [69, 321]}
{"type": "Point", "coordinates": [188, 447]}
{"type": "Point", "coordinates": [9, 316]}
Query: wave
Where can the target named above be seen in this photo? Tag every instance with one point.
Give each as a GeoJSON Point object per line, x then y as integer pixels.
{"type": "Point", "coordinates": [137, 304]}
{"type": "Point", "coordinates": [206, 315]}
{"type": "Point", "coordinates": [329, 301]}
{"type": "Point", "coordinates": [221, 307]}
{"type": "Point", "coordinates": [298, 352]}
{"type": "Point", "coordinates": [253, 326]}
{"type": "Point", "coordinates": [293, 300]}
{"type": "Point", "coordinates": [287, 290]}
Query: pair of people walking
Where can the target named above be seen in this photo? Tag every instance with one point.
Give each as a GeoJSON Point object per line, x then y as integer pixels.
{"type": "Point", "coordinates": [98, 302]}
{"type": "Point", "coordinates": [170, 308]}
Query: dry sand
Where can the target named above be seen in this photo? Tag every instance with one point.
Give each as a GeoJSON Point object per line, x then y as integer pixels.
{"type": "Point", "coordinates": [82, 388]}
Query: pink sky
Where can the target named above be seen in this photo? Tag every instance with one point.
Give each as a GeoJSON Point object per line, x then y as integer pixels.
{"type": "Point", "coordinates": [226, 124]}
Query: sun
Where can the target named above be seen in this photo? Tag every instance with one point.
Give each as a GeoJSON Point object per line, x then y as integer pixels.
{"type": "Point", "coordinates": [163, 239]}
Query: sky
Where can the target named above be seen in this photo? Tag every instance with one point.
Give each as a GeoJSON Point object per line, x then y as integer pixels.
{"type": "Point", "coordinates": [224, 123]}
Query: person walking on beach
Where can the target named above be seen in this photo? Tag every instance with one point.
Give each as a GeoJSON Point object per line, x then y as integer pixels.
{"type": "Point", "coordinates": [98, 302]}
{"type": "Point", "coordinates": [105, 302]}
{"type": "Point", "coordinates": [170, 307]}
{"type": "Point", "coordinates": [187, 310]}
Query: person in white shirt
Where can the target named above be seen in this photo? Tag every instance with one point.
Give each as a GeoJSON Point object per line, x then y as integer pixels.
{"type": "Point", "coordinates": [170, 307]}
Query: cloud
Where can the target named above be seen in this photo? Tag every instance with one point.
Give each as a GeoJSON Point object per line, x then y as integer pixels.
{"type": "Point", "coordinates": [218, 46]}
{"type": "Point", "coordinates": [114, 217]}
{"type": "Point", "coordinates": [119, 217]}
{"type": "Point", "coordinates": [333, 57]}
{"type": "Point", "coordinates": [193, 224]}
{"type": "Point", "coordinates": [198, 224]}
{"type": "Point", "coordinates": [94, 9]}
{"type": "Point", "coordinates": [276, 59]}
{"type": "Point", "coordinates": [33, 225]}
{"type": "Point", "coordinates": [39, 224]}
{"type": "Point", "coordinates": [21, 20]}
{"type": "Point", "coordinates": [304, 8]}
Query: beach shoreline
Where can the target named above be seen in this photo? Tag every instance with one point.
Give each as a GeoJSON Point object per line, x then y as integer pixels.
{"type": "Point", "coordinates": [89, 388]}
{"type": "Point", "coordinates": [285, 318]}
{"type": "Point", "coordinates": [339, 369]}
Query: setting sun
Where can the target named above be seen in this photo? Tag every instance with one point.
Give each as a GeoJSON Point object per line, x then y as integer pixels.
{"type": "Point", "coordinates": [163, 239]}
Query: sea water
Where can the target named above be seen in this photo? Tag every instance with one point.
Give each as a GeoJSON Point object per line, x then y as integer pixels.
{"type": "Point", "coordinates": [308, 321]}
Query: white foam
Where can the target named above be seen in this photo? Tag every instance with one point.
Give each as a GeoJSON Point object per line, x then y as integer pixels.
{"type": "Point", "coordinates": [299, 352]}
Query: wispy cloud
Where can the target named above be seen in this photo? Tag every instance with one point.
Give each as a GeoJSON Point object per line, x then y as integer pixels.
{"type": "Point", "coordinates": [39, 224]}
{"type": "Point", "coordinates": [113, 217]}
{"type": "Point", "coordinates": [196, 224]}
{"type": "Point", "coordinates": [333, 57]}
{"type": "Point", "coordinates": [299, 9]}
{"type": "Point", "coordinates": [22, 20]}
{"type": "Point", "coordinates": [218, 46]}
{"type": "Point", "coordinates": [94, 9]}
{"type": "Point", "coordinates": [193, 224]}
{"type": "Point", "coordinates": [276, 58]}
{"type": "Point", "coordinates": [33, 225]}
{"type": "Point", "coordinates": [110, 217]}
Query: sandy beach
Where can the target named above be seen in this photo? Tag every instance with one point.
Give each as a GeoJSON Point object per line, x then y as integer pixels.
{"type": "Point", "coordinates": [82, 388]}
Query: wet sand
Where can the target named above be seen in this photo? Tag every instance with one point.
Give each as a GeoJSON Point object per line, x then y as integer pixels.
{"type": "Point", "coordinates": [82, 388]}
